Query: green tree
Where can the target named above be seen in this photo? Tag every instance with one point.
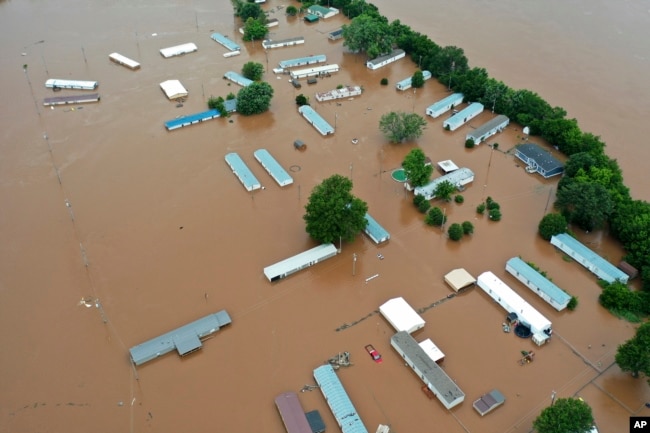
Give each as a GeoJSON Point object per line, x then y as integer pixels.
{"type": "Point", "coordinates": [291, 10]}
{"type": "Point", "coordinates": [444, 190]}
{"type": "Point", "coordinates": [634, 354]}
{"type": "Point", "coordinates": [421, 203]}
{"type": "Point", "coordinates": [333, 213]}
{"type": "Point", "coordinates": [254, 30]}
{"type": "Point", "coordinates": [417, 80]}
{"type": "Point", "coordinates": [245, 10]}
{"type": "Point", "coordinates": [435, 217]}
{"type": "Point", "coordinates": [495, 214]}
{"type": "Point", "coordinates": [455, 232]}
{"type": "Point", "coordinates": [368, 34]}
{"type": "Point", "coordinates": [399, 126]}
{"type": "Point", "coordinates": [566, 415]}
{"type": "Point", "coordinates": [254, 98]}
{"type": "Point", "coordinates": [302, 100]}
{"type": "Point", "coordinates": [468, 227]}
{"type": "Point", "coordinates": [552, 224]}
{"type": "Point", "coordinates": [217, 104]}
{"type": "Point", "coordinates": [416, 169]}
{"type": "Point", "coordinates": [586, 204]}
{"type": "Point", "coordinates": [253, 71]}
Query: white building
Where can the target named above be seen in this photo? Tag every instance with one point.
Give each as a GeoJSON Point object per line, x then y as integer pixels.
{"type": "Point", "coordinates": [173, 89]}
{"type": "Point", "coordinates": [343, 92]}
{"type": "Point", "coordinates": [55, 83]}
{"type": "Point", "coordinates": [300, 261]}
{"type": "Point", "coordinates": [488, 129]}
{"type": "Point", "coordinates": [463, 116]}
{"type": "Point", "coordinates": [539, 325]}
{"type": "Point", "coordinates": [406, 83]}
{"type": "Point", "coordinates": [401, 315]}
{"type": "Point", "coordinates": [124, 61]}
{"type": "Point", "coordinates": [459, 178]}
{"type": "Point", "coordinates": [315, 72]}
{"type": "Point", "coordinates": [178, 50]}
{"type": "Point", "coordinates": [538, 283]}
{"type": "Point", "coordinates": [445, 105]}
{"type": "Point", "coordinates": [382, 61]}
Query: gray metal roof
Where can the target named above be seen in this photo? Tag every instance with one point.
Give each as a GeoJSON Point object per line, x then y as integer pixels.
{"type": "Point", "coordinates": [541, 157]}
{"type": "Point", "coordinates": [434, 376]}
{"type": "Point", "coordinates": [500, 121]}
{"type": "Point", "coordinates": [185, 339]}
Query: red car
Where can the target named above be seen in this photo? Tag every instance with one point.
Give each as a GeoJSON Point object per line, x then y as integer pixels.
{"type": "Point", "coordinates": [376, 356]}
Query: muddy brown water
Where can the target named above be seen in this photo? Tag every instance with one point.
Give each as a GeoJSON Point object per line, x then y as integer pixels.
{"type": "Point", "coordinates": [103, 203]}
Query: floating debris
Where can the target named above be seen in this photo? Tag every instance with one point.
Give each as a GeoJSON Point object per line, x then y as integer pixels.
{"type": "Point", "coordinates": [340, 360]}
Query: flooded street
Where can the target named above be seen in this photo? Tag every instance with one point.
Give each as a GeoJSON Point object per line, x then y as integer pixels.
{"type": "Point", "coordinates": [102, 204]}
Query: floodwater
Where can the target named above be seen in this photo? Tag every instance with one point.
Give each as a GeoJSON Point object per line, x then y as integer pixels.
{"type": "Point", "coordinates": [103, 204]}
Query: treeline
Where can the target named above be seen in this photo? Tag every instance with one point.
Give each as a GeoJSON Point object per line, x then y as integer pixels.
{"type": "Point", "coordinates": [591, 194]}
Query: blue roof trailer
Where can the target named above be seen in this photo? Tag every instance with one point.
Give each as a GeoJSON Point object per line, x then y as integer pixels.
{"type": "Point", "coordinates": [444, 105]}
{"type": "Point", "coordinates": [539, 160]}
{"type": "Point", "coordinates": [374, 231]}
{"type": "Point", "coordinates": [223, 40]}
{"type": "Point", "coordinates": [588, 258]}
{"type": "Point", "coordinates": [185, 340]}
{"type": "Point", "coordinates": [539, 284]}
{"type": "Point", "coordinates": [302, 61]}
{"type": "Point", "coordinates": [272, 166]}
{"type": "Point", "coordinates": [463, 116]}
{"type": "Point", "coordinates": [406, 83]}
{"type": "Point", "coordinates": [238, 78]}
{"type": "Point", "coordinates": [243, 173]}
{"type": "Point", "coordinates": [338, 400]}
{"type": "Point", "coordinates": [316, 120]}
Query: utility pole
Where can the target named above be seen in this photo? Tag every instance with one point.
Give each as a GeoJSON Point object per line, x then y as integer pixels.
{"type": "Point", "coordinates": [354, 262]}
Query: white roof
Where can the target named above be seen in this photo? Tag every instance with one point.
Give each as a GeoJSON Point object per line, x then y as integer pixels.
{"type": "Point", "coordinates": [117, 57]}
{"type": "Point", "coordinates": [447, 166]}
{"type": "Point", "coordinates": [459, 278]}
{"type": "Point", "coordinates": [178, 50]}
{"type": "Point", "coordinates": [173, 89]}
{"type": "Point", "coordinates": [431, 350]}
{"type": "Point", "coordinates": [401, 315]}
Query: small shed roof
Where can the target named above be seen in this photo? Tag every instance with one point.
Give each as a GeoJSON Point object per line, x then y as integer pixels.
{"type": "Point", "coordinates": [432, 350]}
{"type": "Point", "coordinates": [459, 278]}
{"type": "Point", "coordinates": [173, 89]}
{"type": "Point", "coordinates": [447, 166]}
{"type": "Point", "coordinates": [311, 18]}
{"type": "Point", "coordinates": [630, 270]}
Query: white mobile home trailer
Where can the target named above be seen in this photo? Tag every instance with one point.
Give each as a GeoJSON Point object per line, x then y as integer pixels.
{"type": "Point", "coordinates": [459, 178]}
{"type": "Point", "coordinates": [124, 61]}
{"type": "Point", "coordinates": [488, 129]}
{"type": "Point", "coordinates": [444, 105]}
{"type": "Point", "coordinates": [538, 283]}
{"type": "Point", "coordinates": [178, 50]}
{"type": "Point", "coordinates": [406, 83]}
{"type": "Point", "coordinates": [539, 325]}
{"type": "Point", "coordinates": [315, 72]}
{"type": "Point", "coordinates": [299, 262]}
{"type": "Point", "coordinates": [55, 83]}
{"type": "Point", "coordinates": [382, 61]}
{"type": "Point", "coordinates": [463, 116]}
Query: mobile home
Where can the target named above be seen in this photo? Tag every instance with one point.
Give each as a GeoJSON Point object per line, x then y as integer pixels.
{"type": "Point", "coordinates": [55, 83]}
{"type": "Point", "coordinates": [539, 325]}
{"type": "Point", "coordinates": [124, 61]}
{"type": "Point", "coordinates": [382, 61]}
{"type": "Point", "coordinates": [299, 262]}
{"type": "Point", "coordinates": [445, 104]}
{"type": "Point", "coordinates": [539, 284]}
{"type": "Point", "coordinates": [178, 50]}
{"type": "Point", "coordinates": [488, 129]}
{"type": "Point", "coordinates": [406, 83]}
{"type": "Point", "coordinates": [463, 116]}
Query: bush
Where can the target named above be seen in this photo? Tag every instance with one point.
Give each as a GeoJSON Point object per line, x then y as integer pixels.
{"type": "Point", "coordinates": [495, 214]}
{"type": "Point", "coordinates": [491, 204]}
{"type": "Point", "coordinates": [302, 100]}
{"type": "Point", "coordinates": [573, 303]}
{"type": "Point", "coordinates": [469, 143]}
{"type": "Point", "coordinates": [468, 227]}
{"type": "Point", "coordinates": [435, 217]}
{"type": "Point", "coordinates": [291, 10]}
{"type": "Point", "coordinates": [480, 209]}
{"type": "Point", "coordinates": [230, 96]}
{"type": "Point", "coordinates": [495, 146]}
{"type": "Point", "coordinates": [552, 224]}
{"type": "Point", "coordinates": [384, 82]}
{"type": "Point", "coordinates": [340, 86]}
{"type": "Point", "coordinates": [455, 232]}
{"type": "Point", "coordinates": [459, 199]}
{"type": "Point", "coordinates": [447, 128]}
{"type": "Point", "coordinates": [423, 205]}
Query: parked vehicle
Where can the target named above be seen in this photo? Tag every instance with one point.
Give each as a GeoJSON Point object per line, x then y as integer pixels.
{"type": "Point", "coordinates": [376, 356]}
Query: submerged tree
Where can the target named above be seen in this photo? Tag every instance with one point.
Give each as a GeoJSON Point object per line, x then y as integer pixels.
{"type": "Point", "coordinates": [399, 126]}
{"type": "Point", "coordinates": [565, 415]}
{"type": "Point", "coordinates": [368, 34]}
{"type": "Point", "coordinates": [634, 354]}
{"type": "Point", "coordinates": [416, 169]}
{"type": "Point", "coordinates": [253, 71]}
{"type": "Point", "coordinates": [254, 98]}
{"type": "Point", "coordinates": [333, 213]}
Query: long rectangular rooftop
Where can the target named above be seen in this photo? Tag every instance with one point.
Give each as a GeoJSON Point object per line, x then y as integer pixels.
{"type": "Point", "coordinates": [223, 40]}
{"type": "Point", "coordinates": [301, 61]}
{"type": "Point", "coordinates": [272, 166]}
{"type": "Point", "coordinates": [337, 399]}
{"type": "Point", "coordinates": [243, 173]}
{"type": "Point", "coordinates": [316, 120]}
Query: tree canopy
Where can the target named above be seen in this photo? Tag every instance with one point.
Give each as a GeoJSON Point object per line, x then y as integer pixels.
{"type": "Point", "coordinates": [444, 190]}
{"type": "Point", "coordinates": [253, 71]}
{"type": "Point", "coordinates": [552, 224]}
{"type": "Point", "coordinates": [584, 203]}
{"type": "Point", "coordinates": [246, 10]}
{"type": "Point", "coordinates": [634, 354]}
{"type": "Point", "coordinates": [333, 213]}
{"type": "Point", "coordinates": [254, 98]}
{"type": "Point", "coordinates": [398, 126]}
{"type": "Point", "coordinates": [417, 80]}
{"type": "Point", "coordinates": [368, 34]}
{"type": "Point", "coordinates": [254, 29]}
{"type": "Point", "coordinates": [416, 170]}
{"type": "Point", "coordinates": [565, 415]}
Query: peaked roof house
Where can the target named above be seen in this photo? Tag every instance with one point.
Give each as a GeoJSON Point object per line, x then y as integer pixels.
{"type": "Point", "coordinates": [539, 160]}
{"type": "Point", "coordinates": [322, 11]}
